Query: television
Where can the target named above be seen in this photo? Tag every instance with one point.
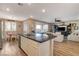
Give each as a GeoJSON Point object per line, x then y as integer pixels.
{"type": "Point", "coordinates": [61, 29]}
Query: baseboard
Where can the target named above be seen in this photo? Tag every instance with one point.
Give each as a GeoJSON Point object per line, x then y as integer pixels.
{"type": "Point", "coordinates": [23, 51]}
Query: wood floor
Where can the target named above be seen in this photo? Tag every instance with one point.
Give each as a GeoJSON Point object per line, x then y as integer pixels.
{"type": "Point", "coordinates": [11, 49]}
{"type": "Point", "coordinates": [66, 48]}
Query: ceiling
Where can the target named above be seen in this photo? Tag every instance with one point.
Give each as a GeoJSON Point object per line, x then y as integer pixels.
{"type": "Point", "coordinates": [61, 11]}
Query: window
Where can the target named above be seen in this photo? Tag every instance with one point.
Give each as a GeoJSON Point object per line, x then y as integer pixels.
{"type": "Point", "coordinates": [41, 27]}
{"type": "Point", "coordinates": [13, 26]}
{"type": "Point", "coordinates": [10, 26]}
{"type": "Point", "coordinates": [38, 28]}
{"type": "Point", "coordinates": [7, 26]}
{"type": "Point", "coordinates": [45, 28]}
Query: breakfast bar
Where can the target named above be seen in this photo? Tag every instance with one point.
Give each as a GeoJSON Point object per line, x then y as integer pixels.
{"type": "Point", "coordinates": [37, 44]}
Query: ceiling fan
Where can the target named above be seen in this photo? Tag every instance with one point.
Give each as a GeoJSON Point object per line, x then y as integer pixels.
{"type": "Point", "coordinates": [20, 4]}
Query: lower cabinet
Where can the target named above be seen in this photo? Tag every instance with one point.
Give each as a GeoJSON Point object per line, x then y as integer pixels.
{"type": "Point", "coordinates": [33, 48]}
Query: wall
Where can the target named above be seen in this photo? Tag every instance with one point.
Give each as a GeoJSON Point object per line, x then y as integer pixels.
{"type": "Point", "coordinates": [31, 24]}
{"type": "Point", "coordinates": [19, 27]}
{"type": "Point", "coordinates": [73, 21]}
{"type": "Point", "coordinates": [72, 36]}
{"type": "Point", "coordinates": [50, 29]}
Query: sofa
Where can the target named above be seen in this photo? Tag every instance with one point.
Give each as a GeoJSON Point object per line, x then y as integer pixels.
{"type": "Point", "coordinates": [59, 38]}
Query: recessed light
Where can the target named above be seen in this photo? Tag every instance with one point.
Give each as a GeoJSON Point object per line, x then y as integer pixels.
{"type": "Point", "coordinates": [29, 4]}
{"type": "Point", "coordinates": [7, 9]}
{"type": "Point", "coordinates": [43, 10]}
{"type": "Point", "coordinates": [31, 16]}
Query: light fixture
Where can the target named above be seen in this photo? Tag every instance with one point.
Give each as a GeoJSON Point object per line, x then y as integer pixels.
{"type": "Point", "coordinates": [7, 9]}
{"type": "Point", "coordinates": [43, 10]}
{"type": "Point", "coordinates": [29, 4]}
{"type": "Point", "coordinates": [20, 4]}
{"type": "Point", "coordinates": [31, 16]}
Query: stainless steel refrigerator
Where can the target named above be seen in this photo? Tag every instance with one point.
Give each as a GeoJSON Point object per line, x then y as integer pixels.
{"type": "Point", "coordinates": [0, 35]}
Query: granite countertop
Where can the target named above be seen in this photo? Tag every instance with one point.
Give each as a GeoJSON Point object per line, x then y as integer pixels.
{"type": "Point", "coordinates": [38, 37]}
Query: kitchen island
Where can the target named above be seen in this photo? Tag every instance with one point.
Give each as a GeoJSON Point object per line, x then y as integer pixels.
{"type": "Point", "coordinates": [37, 44]}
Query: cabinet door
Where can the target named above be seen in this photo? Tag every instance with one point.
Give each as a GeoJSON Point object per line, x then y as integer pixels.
{"type": "Point", "coordinates": [32, 48]}
{"type": "Point", "coordinates": [44, 48]}
{"type": "Point", "coordinates": [24, 43]}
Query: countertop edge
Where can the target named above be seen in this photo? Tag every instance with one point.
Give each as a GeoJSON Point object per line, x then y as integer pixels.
{"type": "Point", "coordinates": [36, 40]}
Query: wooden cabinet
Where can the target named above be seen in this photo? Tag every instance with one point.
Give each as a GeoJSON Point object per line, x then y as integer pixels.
{"type": "Point", "coordinates": [33, 48]}
{"type": "Point", "coordinates": [28, 46]}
